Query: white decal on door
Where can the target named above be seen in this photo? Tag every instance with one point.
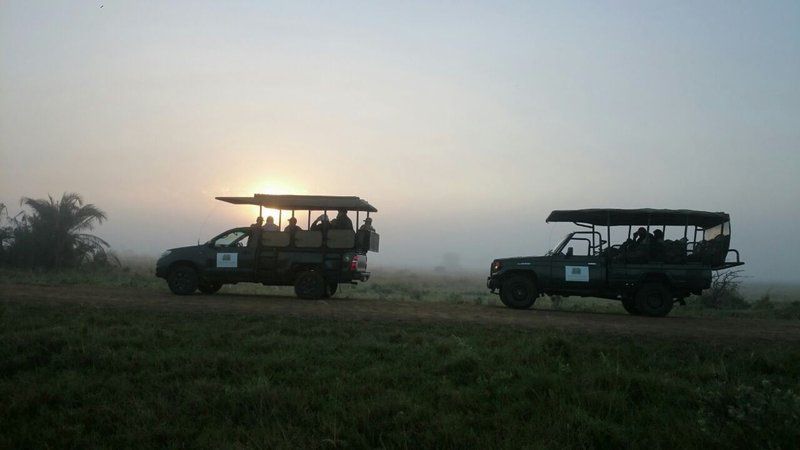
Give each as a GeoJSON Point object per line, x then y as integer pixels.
{"type": "Point", "coordinates": [227, 260]}
{"type": "Point", "coordinates": [576, 273]}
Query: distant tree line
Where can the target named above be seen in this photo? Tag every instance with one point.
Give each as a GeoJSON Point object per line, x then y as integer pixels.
{"type": "Point", "coordinates": [53, 234]}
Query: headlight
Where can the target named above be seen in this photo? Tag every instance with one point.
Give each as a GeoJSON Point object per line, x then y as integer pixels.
{"type": "Point", "coordinates": [496, 265]}
{"type": "Point", "coordinates": [165, 254]}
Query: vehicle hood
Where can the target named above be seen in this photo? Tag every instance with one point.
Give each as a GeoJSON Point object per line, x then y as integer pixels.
{"type": "Point", "coordinates": [522, 261]}
{"type": "Point", "coordinates": [180, 252]}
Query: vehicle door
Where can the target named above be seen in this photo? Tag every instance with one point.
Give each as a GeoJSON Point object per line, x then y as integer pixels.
{"type": "Point", "coordinates": [231, 258]}
{"type": "Point", "coordinates": [574, 267]}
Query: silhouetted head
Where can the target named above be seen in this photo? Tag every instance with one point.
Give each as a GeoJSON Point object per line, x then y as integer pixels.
{"type": "Point", "coordinates": [293, 221]}
{"type": "Point", "coordinates": [342, 213]}
{"type": "Point", "coordinates": [270, 220]}
{"type": "Point", "coordinates": [259, 220]}
{"type": "Point", "coordinates": [658, 234]}
{"type": "Point", "coordinates": [642, 231]}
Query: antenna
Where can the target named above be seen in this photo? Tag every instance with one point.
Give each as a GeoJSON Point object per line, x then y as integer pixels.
{"type": "Point", "coordinates": [203, 225]}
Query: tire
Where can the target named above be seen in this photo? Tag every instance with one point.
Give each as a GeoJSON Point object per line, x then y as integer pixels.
{"type": "Point", "coordinates": [654, 300]}
{"type": "Point", "coordinates": [630, 305]}
{"type": "Point", "coordinates": [210, 288]}
{"type": "Point", "coordinates": [182, 280]}
{"type": "Point", "coordinates": [518, 292]}
{"type": "Point", "coordinates": [310, 284]}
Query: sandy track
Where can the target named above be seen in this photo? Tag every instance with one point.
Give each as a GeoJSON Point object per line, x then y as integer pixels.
{"type": "Point", "coordinates": [727, 329]}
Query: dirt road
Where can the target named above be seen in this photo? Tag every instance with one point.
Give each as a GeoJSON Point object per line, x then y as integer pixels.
{"type": "Point", "coordinates": [727, 329]}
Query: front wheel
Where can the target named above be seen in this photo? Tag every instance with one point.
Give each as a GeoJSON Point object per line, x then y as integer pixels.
{"type": "Point", "coordinates": [310, 285]}
{"type": "Point", "coordinates": [518, 292]}
{"type": "Point", "coordinates": [654, 300]}
{"type": "Point", "coordinates": [182, 280]}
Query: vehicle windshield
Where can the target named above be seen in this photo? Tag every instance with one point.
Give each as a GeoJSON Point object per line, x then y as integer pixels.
{"type": "Point", "coordinates": [561, 243]}
{"type": "Point", "coordinates": [230, 239]}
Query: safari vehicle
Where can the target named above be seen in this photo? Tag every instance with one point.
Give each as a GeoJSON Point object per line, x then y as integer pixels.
{"type": "Point", "coordinates": [647, 276]}
{"type": "Point", "coordinates": [314, 261]}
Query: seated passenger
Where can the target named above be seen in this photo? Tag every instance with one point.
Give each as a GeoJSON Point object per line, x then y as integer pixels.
{"type": "Point", "coordinates": [255, 232]}
{"type": "Point", "coordinates": [639, 250]}
{"type": "Point", "coordinates": [270, 225]}
{"type": "Point", "coordinates": [321, 223]}
{"type": "Point", "coordinates": [342, 222]}
{"type": "Point", "coordinates": [367, 225]}
{"type": "Point", "coordinates": [642, 236]}
{"type": "Point", "coordinates": [292, 227]}
{"type": "Point", "coordinates": [657, 246]}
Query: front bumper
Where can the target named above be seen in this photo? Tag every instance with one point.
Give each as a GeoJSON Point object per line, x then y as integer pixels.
{"type": "Point", "coordinates": [492, 283]}
{"type": "Point", "coordinates": [161, 271]}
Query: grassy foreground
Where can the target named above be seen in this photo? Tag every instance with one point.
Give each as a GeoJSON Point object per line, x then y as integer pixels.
{"type": "Point", "coordinates": [87, 377]}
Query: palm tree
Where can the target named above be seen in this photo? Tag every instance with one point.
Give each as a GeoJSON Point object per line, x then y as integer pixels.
{"type": "Point", "coordinates": [59, 230]}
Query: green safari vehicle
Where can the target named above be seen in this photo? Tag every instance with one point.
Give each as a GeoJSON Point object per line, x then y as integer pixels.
{"type": "Point", "coordinates": [647, 272]}
{"type": "Point", "coordinates": [314, 260]}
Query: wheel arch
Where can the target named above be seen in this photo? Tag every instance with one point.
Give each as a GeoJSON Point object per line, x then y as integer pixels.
{"type": "Point", "coordinates": [656, 277]}
{"type": "Point", "coordinates": [183, 263]}
{"type": "Point", "coordinates": [296, 269]}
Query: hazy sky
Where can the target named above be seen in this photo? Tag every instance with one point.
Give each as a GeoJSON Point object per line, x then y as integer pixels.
{"type": "Point", "coordinates": [463, 123]}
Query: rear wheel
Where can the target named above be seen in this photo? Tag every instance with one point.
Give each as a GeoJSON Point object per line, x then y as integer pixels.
{"type": "Point", "coordinates": [210, 288]}
{"type": "Point", "coordinates": [310, 284]}
{"type": "Point", "coordinates": [182, 280]}
{"type": "Point", "coordinates": [518, 292]}
{"type": "Point", "coordinates": [629, 304]}
{"type": "Point", "coordinates": [654, 300]}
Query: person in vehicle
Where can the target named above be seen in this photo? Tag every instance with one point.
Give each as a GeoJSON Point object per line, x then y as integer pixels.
{"type": "Point", "coordinates": [367, 225]}
{"type": "Point", "coordinates": [642, 236]}
{"type": "Point", "coordinates": [255, 232]}
{"type": "Point", "coordinates": [657, 246]}
{"type": "Point", "coordinates": [321, 223]}
{"type": "Point", "coordinates": [639, 249]}
{"type": "Point", "coordinates": [342, 222]}
{"type": "Point", "coordinates": [270, 225]}
{"type": "Point", "coordinates": [292, 227]}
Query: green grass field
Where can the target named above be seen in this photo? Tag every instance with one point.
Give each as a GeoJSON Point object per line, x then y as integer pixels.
{"type": "Point", "coordinates": [93, 377]}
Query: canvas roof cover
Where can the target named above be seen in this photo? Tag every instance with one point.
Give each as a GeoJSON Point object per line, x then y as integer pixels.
{"type": "Point", "coordinates": [644, 216]}
{"type": "Point", "coordinates": [313, 202]}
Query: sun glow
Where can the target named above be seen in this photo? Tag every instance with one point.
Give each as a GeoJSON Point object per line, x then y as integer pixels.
{"type": "Point", "coordinates": [276, 187]}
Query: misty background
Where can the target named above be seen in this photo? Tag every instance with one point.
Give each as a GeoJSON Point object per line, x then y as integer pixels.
{"type": "Point", "coordinates": [464, 123]}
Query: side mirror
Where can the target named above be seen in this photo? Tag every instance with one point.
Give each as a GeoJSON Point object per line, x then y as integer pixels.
{"type": "Point", "coordinates": [210, 244]}
{"type": "Point", "coordinates": [569, 252]}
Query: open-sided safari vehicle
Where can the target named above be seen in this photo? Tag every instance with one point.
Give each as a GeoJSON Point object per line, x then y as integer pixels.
{"type": "Point", "coordinates": [647, 272]}
{"type": "Point", "coordinates": [314, 260]}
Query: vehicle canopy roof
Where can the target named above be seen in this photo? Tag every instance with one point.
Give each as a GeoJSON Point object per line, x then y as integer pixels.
{"type": "Point", "coordinates": [612, 217]}
{"type": "Point", "coordinates": [310, 202]}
